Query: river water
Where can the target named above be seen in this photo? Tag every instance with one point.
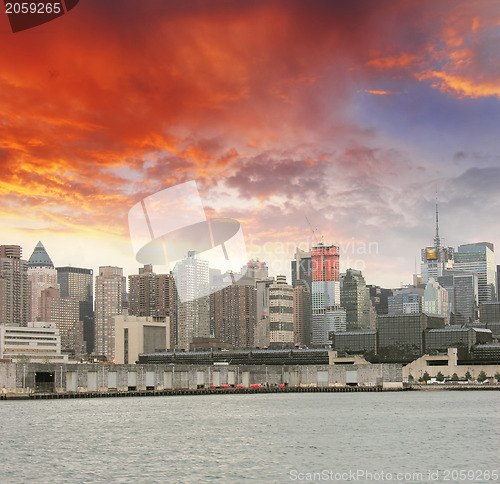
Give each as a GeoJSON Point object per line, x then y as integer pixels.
{"type": "Point", "coordinates": [264, 438]}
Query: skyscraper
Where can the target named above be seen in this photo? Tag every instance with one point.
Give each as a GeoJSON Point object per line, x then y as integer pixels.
{"type": "Point", "coordinates": [436, 300]}
{"type": "Point", "coordinates": [108, 303]}
{"type": "Point", "coordinates": [479, 258]}
{"type": "Point", "coordinates": [281, 312]}
{"type": "Point", "coordinates": [78, 283]}
{"type": "Point", "coordinates": [15, 294]}
{"type": "Point", "coordinates": [355, 299]}
{"type": "Point", "coordinates": [193, 312]}
{"type": "Point", "coordinates": [302, 313]}
{"type": "Point", "coordinates": [302, 268]}
{"type": "Point", "coordinates": [234, 309]}
{"type": "Point", "coordinates": [327, 315]}
{"type": "Point", "coordinates": [436, 259]}
{"type": "Point", "coordinates": [153, 295]}
{"type": "Point", "coordinates": [42, 275]}
{"type": "Point", "coordinates": [462, 287]}
{"type": "Point", "coordinates": [64, 313]}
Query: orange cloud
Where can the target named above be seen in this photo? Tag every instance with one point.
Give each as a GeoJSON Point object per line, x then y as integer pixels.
{"type": "Point", "coordinates": [380, 93]}
{"type": "Point", "coordinates": [460, 86]}
{"type": "Point", "coordinates": [384, 63]}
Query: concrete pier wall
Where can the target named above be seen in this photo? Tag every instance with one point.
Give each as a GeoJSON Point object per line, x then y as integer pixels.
{"type": "Point", "coordinates": [74, 378]}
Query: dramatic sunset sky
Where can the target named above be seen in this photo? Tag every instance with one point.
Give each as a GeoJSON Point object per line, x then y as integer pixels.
{"type": "Point", "coordinates": [349, 112]}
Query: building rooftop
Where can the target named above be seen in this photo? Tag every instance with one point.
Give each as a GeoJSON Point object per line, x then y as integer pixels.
{"type": "Point", "coordinates": [40, 258]}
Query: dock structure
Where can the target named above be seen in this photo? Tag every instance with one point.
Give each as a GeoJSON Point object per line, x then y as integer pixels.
{"type": "Point", "coordinates": [32, 380]}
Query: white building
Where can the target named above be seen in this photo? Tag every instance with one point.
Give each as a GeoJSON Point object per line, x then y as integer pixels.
{"type": "Point", "coordinates": [436, 300]}
{"type": "Point", "coordinates": [39, 342]}
{"type": "Point", "coordinates": [281, 311]}
{"type": "Point", "coordinates": [193, 316]}
{"type": "Point", "coordinates": [139, 334]}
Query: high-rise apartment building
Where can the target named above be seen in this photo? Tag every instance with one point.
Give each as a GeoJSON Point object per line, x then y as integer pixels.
{"type": "Point", "coordinates": [355, 299]}
{"type": "Point", "coordinates": [15, 293]}
{"type": "Point", "coordinates": [233, 309]}
{"type": "Point", "coordinates": [42, 275]}
{"type": "Point", "coordinates": [302, 313]}
{"type": "Point", "coordinates": [436, 259]}
{"type": "Point", "coordinates": [153, 295]}
{"type": "Point", "coordinates": [281, 312]}
{"type": "Point", "coordinates": [108, 304]}
{"type": "Point", "coordinates": [193, 310]}
{"type": "Point", "coordinates": [64, 312]}
{"type": "Point", "coordinates": [78, 283]}
{"type": "Point", "coordinates": [479, 258]}
{"type": "Point", "coordinates": [327, 315]}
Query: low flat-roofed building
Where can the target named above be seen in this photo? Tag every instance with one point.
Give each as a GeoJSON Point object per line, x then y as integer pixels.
{"type": "Point", "coordinates": [462, 338]}
{"type": "Point", "coordinates": [39, 342]}
{"type": "Point", "coordinates": [354, 342]}
{"type": "Point", "coordinates": [401, 336]}
{"type": "Point", "coordinates": [139, 334]}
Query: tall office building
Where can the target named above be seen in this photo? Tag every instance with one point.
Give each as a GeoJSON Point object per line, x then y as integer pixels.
{"type": "Point", "coordinates": [436, 300]}
{"type": "Point", "coordinates": [436, 259]}
{"type": "Point", "coordinates": [78, 283]}
{"type": "Point", "coordinates": [281, 312]}
{"type": "Point", "coordinates": [193, 313]}
{"type": "Point", "coordinates": [254, 271]}
{"type": "Point", "coordinates": [15, 293]}
{"type": "Point", "coordinates": [42, 275]}
{"type": "Point", "coordinates": [463, 290]}
{"type": "Point", "coordinates": [302, 313]}
{"type": "Point", "coordinates": [154, 295]}
{"type": "Point", "coordinates": [302, 268]}
{"type": "Point", "coordinates": [380, 298]}
{"type": "Point", "coordinates": [479, 258]}
{"type": "Point", "coordinates": [233, 310]}
{"type": "Point", "coordinates": [355, 299]}
{"type": "Point", "coordinates": [327, 315]}
{"type": "Point", "coordinates": [108, 304]}
{"type": "Point", "coordinates": [64, 312]}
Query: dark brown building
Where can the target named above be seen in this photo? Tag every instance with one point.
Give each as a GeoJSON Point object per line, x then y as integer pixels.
{"type": "Point", "coordinates": [233, 313]}
{"type": "Point", "coordinates": [153, 295]}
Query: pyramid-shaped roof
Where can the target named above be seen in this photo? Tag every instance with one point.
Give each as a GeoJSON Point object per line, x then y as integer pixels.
{"type": "Point", "coordinates": [40, 258]}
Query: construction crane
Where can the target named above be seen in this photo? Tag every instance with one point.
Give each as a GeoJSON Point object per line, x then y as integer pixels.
{"type": "Point", "coordinates": [314, 232]}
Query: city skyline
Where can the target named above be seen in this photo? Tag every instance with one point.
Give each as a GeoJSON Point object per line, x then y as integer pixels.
{"type": "Point", "coordinates": [280, 110]}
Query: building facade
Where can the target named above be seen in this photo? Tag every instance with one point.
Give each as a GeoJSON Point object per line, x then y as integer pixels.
{"type": "Point", "coordinates": [78, 283]}
{"type": "Point", "coordinates": [480, 259]}
{"type": "Point", "coordinates": [135, 335]}
{"type": "Point", "coordinates": [302, 313]}
{"type": "Point", "coordinates": [38, 342]}
{"type": "Point", "coordinates": [154, 295]}
{"type": "Point", "coordinates": [327, 314]}
{"type": "Point", "coordinates": [462, 287]}
{"type": "Point", "coordinates": [108, 304]}
{"type": "Point", "coordinates": [436, 300]}
{"type": "Point", "coordinates": [41, 275]}
{"type": "Point", "coordinates": [233, 311]}
{"type": "Point", "coordinates": [64, 312]}
{"type": "Point", "coordinates": [193, 312]}
{"type": "Point", "coordinates": [15, 293]}
{"type": "Point", "coordinates": [281, 312]}
{"type": "Point", "coordinates": [355, 299]}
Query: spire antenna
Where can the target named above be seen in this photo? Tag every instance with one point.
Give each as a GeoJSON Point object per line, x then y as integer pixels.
{"type": "Point", "coordinates": [437, 239]}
